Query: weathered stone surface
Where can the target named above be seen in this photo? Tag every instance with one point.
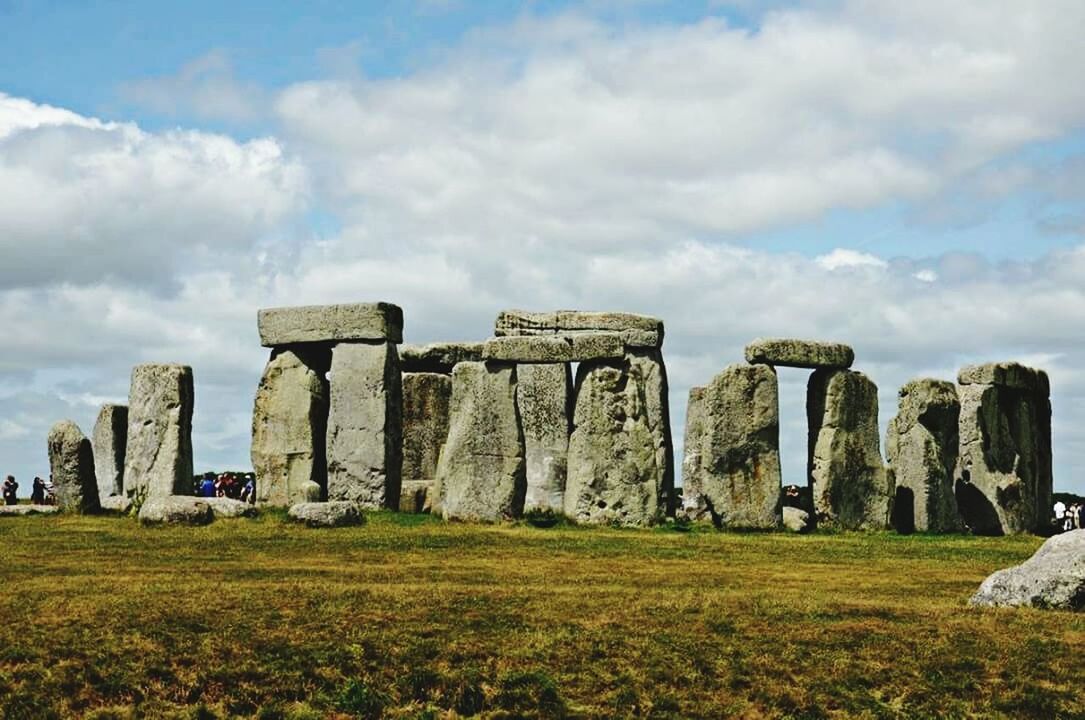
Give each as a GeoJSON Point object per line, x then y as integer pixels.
{"type": "Point", "coordinates": [158, 452]}
{"type": "Point", "coordinates": [224, 507]}
{"type": "Point", "coordinates": [330, 323]}
{"type": "Point", "coordinates": [438, 357]}
{"type": "Point", "coordinates": [543, 394]}
{"type": "Point", "coordinates": [1006, 374]}
{"type": "Point", "coordinates": [71, 462]}
{"type": "Point", "coordinates": [554, 348]}
{"type": "Point", "coordinates": [115, 504]}
{"type": "Point", "coordinates": [694, 506]}
{"type": "Point", "coordinates": [1053, 578]}
{"type": "Point", "coordinates": [108, 442]}
{"type": "Point", "coordinates": [336, 513]}
{"type": "Point", "coordinates": [24, 510]}
{"type": "Point", "coordinates": [636, 331]}
{"type": "Point", "coordinates": [921, 450]}
{"type": "Point", "coordinates": [620, 454]}
{"type": "Point", "coordinates": [176, 509]}
{"type": "Point", "coordinates": [480, 475]}
{"type": "Point", "coordinates": [849, 484]}
{"type": "Point", "coordinates": [1004, 476]}
{"type": "Point", "coordinates": [289, 424]}
{"type": "Point", "coordinates": [740, 448]}
{"type": "Point", "coordinates": [365, 425]}
{"type": "Point", "coordinates": [796, 519]}
{"type": "Point", "coordinates": [426, 401]}
{"type": "Point", "coordinates": [799, 353]}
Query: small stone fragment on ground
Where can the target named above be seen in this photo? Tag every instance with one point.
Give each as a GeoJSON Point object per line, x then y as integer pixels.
{"type": "Point", "coordinates": [176, 509]}
{"type": "Point", "coordinates": [341, 513]}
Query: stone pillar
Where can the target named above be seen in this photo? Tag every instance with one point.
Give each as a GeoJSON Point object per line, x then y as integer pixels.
{"type": "Point", "coordinates": [694, 505]}
{"type": "Point", "coordinates": [1003, 478]}
{"type": "Point", "coordinates": [620, 455]}
{"type": "Point", "coordinates": [289, 423]}
{"type": "Point", "coordinates": [109, 440]}
{"type": "Point", "coordinates": [921, 449]}
{"type": "Point", "coordinates": [158, 453]}
{"type": "Point", "coordinates": [741, 448]}
{"type": "Point", "coordinates": [847, 477]}
{"type": "Point", "coordinates": [71, 463]}
{"type": "Point", "coordinates": [480, 474]}
{"type": "Point", "coordinates": [364, 442]}
{"type": "Point", "coordinates": [426, 400]}
{"type": "Point", "coordinates": [542, 398]}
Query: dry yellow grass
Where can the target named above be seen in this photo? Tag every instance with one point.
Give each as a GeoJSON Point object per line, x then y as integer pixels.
{"type": "Point", "coordinates": [411, 617]}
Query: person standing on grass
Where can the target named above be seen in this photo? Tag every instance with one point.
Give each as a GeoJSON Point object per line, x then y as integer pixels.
{"type": "Point", "coordinates": [248, 493]}
{"type": "Point", "coordinates": [1060, 511]}
{"type": "Point", "coordinates": [10, 487]}
{"type": "Point", "coordinates": [37, 494]}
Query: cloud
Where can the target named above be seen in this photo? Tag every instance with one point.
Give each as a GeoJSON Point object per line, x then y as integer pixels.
{"type": "Point", "coordinates": [842, 258]}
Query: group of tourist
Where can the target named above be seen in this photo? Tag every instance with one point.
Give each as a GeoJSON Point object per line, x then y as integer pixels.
{"type": "Point", "coordinates": [41, 492]}
{"type": "Point", "coordinates": [239, 486]}
{"type": "Point", "coordinates": [1069, 517]}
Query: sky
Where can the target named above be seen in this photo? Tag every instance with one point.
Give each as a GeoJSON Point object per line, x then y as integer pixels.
{"type": "Point", "coordinates": [908, 178]}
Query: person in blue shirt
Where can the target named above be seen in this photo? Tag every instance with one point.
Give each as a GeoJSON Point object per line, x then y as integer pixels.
{"type": "Point", "coordinates": [207, 485]}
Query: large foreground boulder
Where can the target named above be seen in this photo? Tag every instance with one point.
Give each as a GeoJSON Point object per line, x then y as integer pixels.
{"type": "Point", "coordinates": [289, 424]}
{"type": "Point", "coordinates": [158, 455]}
{"type": "Point", "coordinates": [337, 513]}
{"type": "Point", "coordinates": [109, 439]}
{"type": "Point", "coordinates": [71, 463]}
{"type": "Point", "coordinates": [1052, 578]}
{"type": "Point", "coordinates": [543, 393]}
{"type": "Point", "coordinates": [480, 475]}
{"type": "Point", "coordinates": [176, 509]}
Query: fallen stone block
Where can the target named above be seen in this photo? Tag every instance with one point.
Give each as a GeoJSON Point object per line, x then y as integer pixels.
{"type": "Point", "coordinates": [71, 463]}
{"type": "Point", "coordinates": [119, 504]}
{"type": "Point", "coordinates": [799, 353]}
{"type": "Point", "coordinates": [158, 452]}
{"type": "Point", "coordinates": [334, 513]}
{"type": "Point", "coordinates": [438, 357]}
{"type": "Point", "coordinates": [378, 321]}
{"type": "Point", "coordinates": [176, 509]}
{"type": "Point", "coordinates": [1006, 374]}
{"type": "Point", "coordinates": [1053, 578]}
{"type": "Point", "coordinates": [224, 507]}
{"type": "Point", "coordinates": [636, 331]}
{"type": "Point", "coordinates": [108, 440]}
{"type": "Point", "coordinates": [543, 394]}
{"type": "Point", "coordinates": [796, 519]}
{"type": "Point", "coordinates": [554, 349]}
{"type": "Point", "coordinates": [24, 510]}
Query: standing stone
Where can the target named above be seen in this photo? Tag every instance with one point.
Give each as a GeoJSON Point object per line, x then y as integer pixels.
{"type": "Point", "coordinates": [158, 454]}
{"type": "Point", "coordinates": [365, 428]}
{"type": "Point", "coordinates": [480, 475]}
{"type": "Point", "coordinates": [848, 482]}
{"type": "Point", "coordinates": [542, 397]}
{"type": "Point", "coordinates": [741, 448]}
{"type": "Point", "coordinates": [1004, 478]}
{"type": "Point", "coordinates": [620, 454]}
{"type": "Point", "coordinates": [71, 463]}
{"type": "Point", "coordinates": [109, 439]}
{"type": "Point", "coordinates": [426, 400]}
{"type": "Point", "coordinates": [921, 449]}
{"type": "Point", "coordinates": [289, 424]}
{"type": "Point", "coordinates": [694, 506]}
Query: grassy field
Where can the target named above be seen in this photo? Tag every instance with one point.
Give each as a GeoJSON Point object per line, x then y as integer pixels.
{"type": "Point", "coordinates": [409, 617]}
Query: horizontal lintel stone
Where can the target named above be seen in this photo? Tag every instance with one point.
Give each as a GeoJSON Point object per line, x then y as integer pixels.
{"type": "Point", "coordinates": [378, 321]}
{"type": "Point", "coordinates": [438, 357]}
{"type": "Point", "coordinates": [807, 354]}
{"type": "Point", "coordinates": [1006, 374]}
{"type": "Point", "coordinates": [555, 348]}
{"type": "Point", "coordinates": [635, 330]}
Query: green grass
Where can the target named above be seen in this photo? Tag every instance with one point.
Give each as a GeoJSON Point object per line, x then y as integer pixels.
{"type": "Point", "coordinates": [415, 618]}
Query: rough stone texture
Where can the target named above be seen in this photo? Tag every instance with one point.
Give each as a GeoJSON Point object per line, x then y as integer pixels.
{"type": "Point", "coordinates": [620, 455]}
{"type": "Point", "coordinates": [796, 519]}
{"type": "Point", "coordinates": [1004, 477]}
{"type": "Point", "coordinates": [740, 448]}
{"type": "Point", "coordinates": [921, 450]}
{"type": "Point", "coordinates": [1006, 374]}
{"type": "Point", "coordinates": [24, 510]}
{"type": "Point", "coordinates": [1053, 578]}
{"type": "Point", "coordinates": [158, 452]}
{"type": "Point", "coordinates": [108, 442]}
{"type": "Point", "coordinates": [799, 353]}
{"type": "Point", "coordinates": [365, 452]}
{"type": "Point", "coordinates": [71, 462]}
{"type": "Point", "coordinates": [636, 331]}
{"type": "Point", "coordinates": [176, 509]}
{"type": "Point", "coordinates": [480, 475]}
{"type": "Point", "coordinates": [543, 394]}
{"type": "Point", "coordinates": [115, 504]}
{"type": "Point", "coordinates": [336, 513]}
{"type": "Point", "coordinates": [224, 507]}
{"type": "Point", "coordinates": [438, 357]}
{"type": "Point", "coordinates": [694, 506]}
{"type": "Point", "coordinates": [555, 348]}
{"type": "Point", "coordinates": [330, 323]}
{"type": "Point", "coordinates": [426, 401]}
{"type": "Point", "coordinates": [848, 481]}
{"type": "Point", "coordinates": [289, 424]}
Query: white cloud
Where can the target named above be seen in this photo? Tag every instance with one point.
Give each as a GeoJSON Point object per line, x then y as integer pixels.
{"type": "Point", "coordinates": [842, 258]}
